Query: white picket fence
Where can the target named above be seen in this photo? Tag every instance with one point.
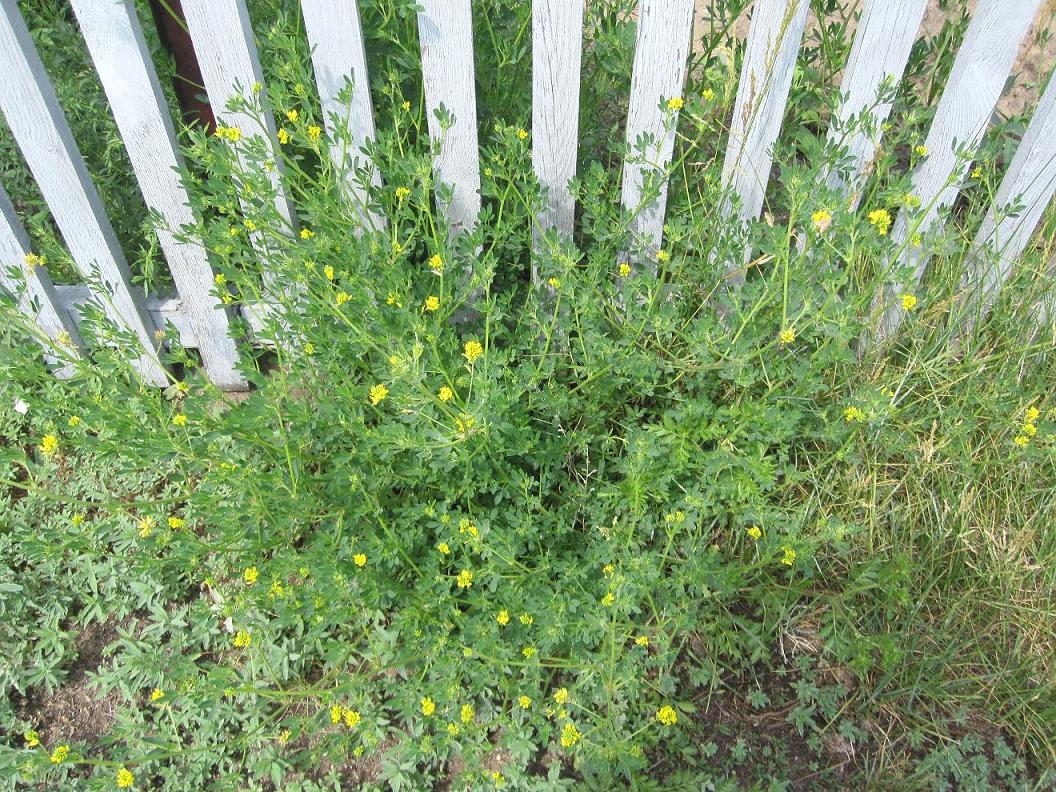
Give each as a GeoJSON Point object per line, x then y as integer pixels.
{"type": "Point", "coordinates": [228, 58]}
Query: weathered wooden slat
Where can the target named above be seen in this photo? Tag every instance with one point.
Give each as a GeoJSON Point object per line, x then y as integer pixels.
{"type": "Point", "coordinates": [979, 73]}
{"type": "Point", "coordinates": [32, 111]}
{"type": "Point", "coordinates": [227, 54]}
{"type": "Point", "coordinates": [882, 43]}
{"type": "Point", "coordinates": [115, 41]}
{"type": "Point", "coordinates": [340, 64]}
{"type": "Point", "coordinates": [445, 29]}
{"type": "Point", "coordinates": [557, 48]}
{"type": "Point", "coordinates": [164, 311]}
{"type": "Point", "coordinates": [774, 37]}
{"type": "Point", "coordinates": [659, 72]}
{"type": "Point", "coordinates": [1030, 183]}
{"type": "Point", "coordinates": [36, 293]}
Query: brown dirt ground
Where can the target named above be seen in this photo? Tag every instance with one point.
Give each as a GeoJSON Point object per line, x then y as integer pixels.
{"type": "Point", "coordinates": [1037, 53]}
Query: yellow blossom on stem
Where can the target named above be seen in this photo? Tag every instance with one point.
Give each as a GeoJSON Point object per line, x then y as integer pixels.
{"type": "Point", "coordinates": [179, 419]}
{"type": "Point", "coordinates": [124, 778]}
{"type": "Point", "coordinates": [466, 714]}
{"type": "Point", "coordinates": [570, 735]}
{"type": "Point", "coordinates": [243, 638]}
{"type": "Point", "coordinates": [667, 715]}
{"type": "Point", "coordinates": [314, 132]}
{"type": "Point", "coordinates": [789, 556]}
{"type": "Point", "coordinates": [853, 415]}
{"type": "Point", "coordinates": [472, 351]}
{"type": "Point", "coordinates": [881, 220]}
{"type": "Point", "coordinates": [58, 756]}
{"type": "Point", "coordinates": [436, 264]}
{"type": "Point", "coordinates": [786, 336]}
{"type": "Point", "coordinates": [402, 192]}
{"type": "Point", "coordinates": [675, 103]}
{"type": "Point", "coordinates": [156, 695]}
{"type": "Point", "coordinates": [146, 527]}
{"type": "Point", "coordinates": [445, 394]}
{"type": "Point", "coordinates": [284, 136]}
{"type": "Point", "coordinates": [49, 445]}
{"type": "Point", "coordinates": [377, 394]}
{"type": "Point", "coordinates": [909, 301]}
{"type": "Point", "coordinates": [351, 718]}
{"type": "Point", "coordinates": [624, 269]}
{"type": "Point", "coordinates": [503, 618]}
{"type": "Point", "coordinates": [464, 579]}
{"type": "Point", "coordinates": [755, 532]}
{"type": "Point", "coordinates": [663, 256]}
{"type": "Point", "coordinates": [292, 115]}
{"type": "Point", "coordinates": [821, 219]}
{"type": "Point", "coordinates": [432, 303]}
{"type": "Point", "coordinates": [642, 640]}
{"type": "Point", "coordinates": [307, 233]}
{"type": "Point", "coordinates": [522, 134]}
{"type": "Point", "coordinates": [561, 696]}
{"type": "Point", "coordinates": [360, 559]}
{"type": "Point", "coordinates": [250, 575]}
{"type": "Point", "coordinates": [428, 706]}
{"type": "Point", "coordinates": [524, 702]}
{"type": "Point", "coordinates": [444, 548]}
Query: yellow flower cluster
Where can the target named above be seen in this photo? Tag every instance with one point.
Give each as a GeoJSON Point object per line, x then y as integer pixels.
{"type": "Point", "coordinates": [401, 193]}
{"type": "Point", "coordinates": [33, 261]}
{"type": "Point", "coordinates": [432, 303]}
{"type": "Point", "coordinates": [675, 103]}
{"type": "Point", "coordinates": [360, 559]}
{"type": "Point", "coordinates": [472, 351]}
{"type": "Point", "coordinates": [853, 415]}
{"type": "Point", "coordinates": [1029, 428]}
{"type": "Point", "coordinates": [466, 714]}
{"type": "Point", "coordinates": [821, 219]}
{"type": "Point", "coordinates": [570, 735]}
{"type": "Point", "coordinates": [49, 445]}
{"type": "Point", "coordinates": [624, 269]}
{"type": "Point", "coordinates": [445, 394]}
{"type": "Point", "coordinates": [377, 394]}
{"type": "Point", "coordinates": [124, 778]}
{"type": "Point", "coordinates": [444, 548]}
{"type": "Point", "coordinates": [146, 527]}
{"type": "Point", "coordinates": [234, 134]}
{"type": "Point", "coordinates": [881, 220]}
{"type": "Point", "coordinates": [243, 638]}
{"type": "Point", "coordinates": [786, 336]}
{"type": "Point", "coordinates": [789, 556]}
{"type": "Point", "coordinates": [428, 706]}
{"type": "Point", "coordinates": [755, 533]}
{"type": "Point", "coordinates": [156, 695]}
{"type": "Point", "coordinates": [464, 579]}
{"type": "Point", "coordinates": [909, 302]}
{"type": "Point", "coordinates": [667, 715]}
{"type": "Point", "coordinates": [250, 575]}
{"type": "Point", "coordinates": [503, 618]}
{"type": "Point", "coordinates": [58, 756]}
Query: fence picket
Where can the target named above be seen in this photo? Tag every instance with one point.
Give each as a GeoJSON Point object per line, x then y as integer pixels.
{"type": "Point", "coordinates": [119, 51]}
{"type": "Point", "coordinates": [774, 37]}
{"type": "Point", "coordinates": [1029, 182]}
{"type": "Point", "coordinates": [557, 50]}
{"type": "Point", "coordinates": [885, 36]}
{"type": "Point", "coordinates": [445, 30]}
{"type": "Point", "coordinates": [28, 101]}
{"type": "Point", "coordinates": [37, 297]}
{"type": "Point", "coordinates": [340, 64]}
{"type": "Point", "coordinates": [227, 54]}
{"type": "Point", "coordinates": [662, 46]}
{"type": "Point", "coordinates": [961, 117]}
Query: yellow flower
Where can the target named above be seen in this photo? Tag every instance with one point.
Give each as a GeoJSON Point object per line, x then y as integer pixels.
{"type": "Point", "coordinates": [1021, 440]}
{"type": "Point", "coordinates": [707, 94]}
{"type": "Point", "coordinates": [328, 271]}
{"type": "Point", "coordinates": [445, 394]}
{"type": "Point", "coordinates": [309, 349]}
{"type": "Point", "coordinates": [33, 261]}
{"type": "Point", "coordinates": [675, 103]}
{"type": "Point", "coordinates": [77, 519]}
{"type": "Point", "coordinates": [432, 303]}
{"type": "Point", "coordinates": [124, 778]}
{"type": "Point", "coordinates": [360, 559]}
{"type": "Point", "coordinates": [608, 600]}
{"type": "Point", "coordinates": [787, 336]}
{"type": "Point", "coordinates": [498, 778]}
{"type": "Point", "coordinates": [314, 132]}
{"type": "Point", "coordinates": [444, 548]}
{"type": "Point", "coordinates": [58, 756]}
{"type": "Point", "coordinates": [561, 696]}
{"type": "Point", "coordinates": [853, 415]}
{"type": "Point", "coordinates": [406, 106]}
{"type": "Point", "coordinates": [526, 619]}
{"type": "Point", "coordinates": [921, 150]}
{"type": "Point", "coordinates": [307, 233]}
{"type": "Point", "coordinates": [464, 579]}
{"type": "Point", "coordinates": [570, 735]}
{"type": "Point", "coordinates": [342, 297]}
{"type": "Point", "coordinates": [402, 192]}
{"type": "Point", "coordinates": [624, 269]}
{"type": "Point", "coordinates": [250, 575]}
{"type": "Point", "coordinates": [667, 715]}
{"type": "Point", "coordinates": [755, 532]}
{"type": "Point", "coordinates": [428, 706]}
{"type": "Point", "coordinates": [642, 640]}
{"type": "Point", "coordinates": [1033, 414]}
{"type": "Point", "coordinates": [436, 264]}
{"type": "Point", "coordinates": [522, 134]}
{"type": "Point", "coordinates": [292, 114]}
{"type": "Point", "coordinates": [243, 638]}
{"type": "Point", "coordinates": [528, 651]}
{"type": "Point", "coordinates": [911, 200]}
{"type": "Point", "coordinates": [789, 557]}
{"type": "Point", "coordinates": [908, 301]}
{"type": "Point", "coordinates": [335, 713]}
{"type": "Point", "coordinates": [881, 220]}
{"type": "Point", "coordinates": [31, 737]}
{"type": "Point", "coordinates": [916, 240]}
{"type": "Point", "coordinates": [284, 136]}
{"type": "Point", "coordinates": [554, 283]}
{"type": "Point", "coordinates": [524, 701]}
{"type": "Point", "coordinates": [75, 420]}
{"type": "Point", "coordinates": [157, 694]}
{"type": "Point", "coordinates": [1030, 430]}
{"type": "Point", "coordinates": [472, 351]}
{"type": "Point", "coordinates": [607, 570]}
{"type": "Point", "coordinates": [146, 527]}
{"type": "Point", "coordinates": [377, 394]}
{"type": "Point", "coordinates": [453, 729]}
{"type": "Point", "coordinates": [466, 713]}
{"type": "Point", "coordinates": [467, 652]}
{"type": "Point", "coordinates": [179, 419]}
{"type": "Point", "coordinates": [503, 618]}
{"type": "Point", "coordinates": [250, 225]}
{"type": "Point", "coordinates": [977, 173]}
{"type": "Point", "coordinates": [351, 718]}
{"type": "Point", "coordinates": [464, 423]}
{"type": "Point", "coordinates": [821, 219]}
{"type": "Point", "coordinates": [49, 444]}
{"type": "Point", "coordinates": [663, 256]}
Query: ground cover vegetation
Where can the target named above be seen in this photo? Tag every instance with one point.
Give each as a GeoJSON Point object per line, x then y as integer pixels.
{"type": "Point", "coordinates": [618, 531]}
